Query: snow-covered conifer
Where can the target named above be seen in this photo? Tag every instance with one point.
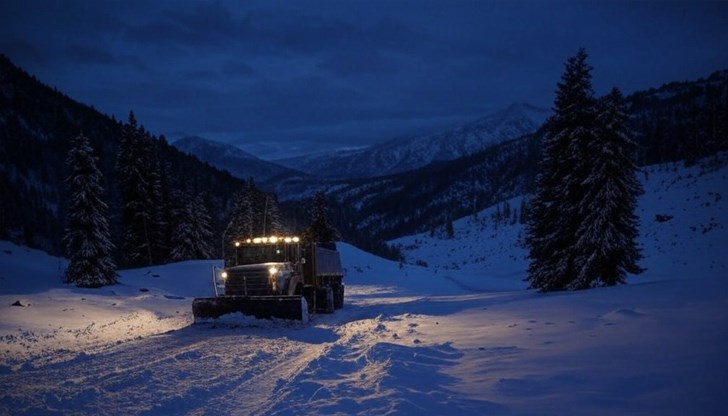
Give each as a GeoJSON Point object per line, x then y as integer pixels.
{"type": "Point", "coordinates": [555, 208]}
{"type": "Point", "coordinates": [272, 217]}
{"type": "Point", "coordinates": [449, 229]}
{"type": "Point", "coordinates": [606, 239]}
{"type": "Point", "coordinates": [240, 226]}
{"type": "Point", "coordinates": [160, 199]}
{"type": "Point", "coordinates": [139, 185]}
{"type": "Point", "coordinates": [320, 229]}
{"type": "Point", "coordinates": [192, 237]}
{"type": "Point", "coordinates": [87, 237]}
{"type": "Point", "coordinates": [582, 228]}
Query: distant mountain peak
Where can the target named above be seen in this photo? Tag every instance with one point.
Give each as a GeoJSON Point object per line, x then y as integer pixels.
{"type": "Point", "coordinates": [412, 152]}
{"type": "Point", "coordinates": [196, 145]}
{"type": "Point", "coordinates": [536, 114]}
{"type": "Point", "coordinates": [226, 156]}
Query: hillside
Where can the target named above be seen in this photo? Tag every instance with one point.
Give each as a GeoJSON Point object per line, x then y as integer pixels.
{"type": "Point", "coordinates": [683, 229]}
{"type": "Point", "coordinates": [679, 121]}
{"type": "Point", "coordinates": [36, 125]}
{"type": "Point", "coordinates": [409, 153]}
{"type": "Point", "coordinates": [459, 336]}
{"type": "Point", "coordinates": [227, 157]}
{"type": "Point", "coordinates": [684, 120]}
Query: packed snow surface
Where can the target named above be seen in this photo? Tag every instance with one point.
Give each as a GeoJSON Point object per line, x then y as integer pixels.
{"type": "Point", "coordinates": [460, 336]}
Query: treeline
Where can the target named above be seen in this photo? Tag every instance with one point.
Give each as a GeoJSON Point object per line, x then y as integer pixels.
{"type": "Point", "coordinates": [681, 121]}
{"type": "Point", "coordinates": [37, 125]}
{"type": "Point", "coordinates": [163, 218]}
{"type": "Point", "coordinates": [164, 214]}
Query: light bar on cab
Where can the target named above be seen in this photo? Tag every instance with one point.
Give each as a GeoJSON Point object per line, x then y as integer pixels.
{"type": "Point", "coordinates": [269, 240]}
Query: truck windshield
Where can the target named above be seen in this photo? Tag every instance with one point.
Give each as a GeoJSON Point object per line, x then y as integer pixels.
{"type": "Point", "coordinates": [266, 253]}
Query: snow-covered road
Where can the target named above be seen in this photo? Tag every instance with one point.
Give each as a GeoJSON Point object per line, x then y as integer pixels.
{"type": "Point", "coordinates": [639, 349]}
{"type": "Point", "coordinates": [366, 359]}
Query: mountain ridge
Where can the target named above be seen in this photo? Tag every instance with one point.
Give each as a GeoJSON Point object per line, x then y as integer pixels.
{"type": "Point", "coordinates": [238, 162]}
{"type": "Point", "coordinates": [411, 152]}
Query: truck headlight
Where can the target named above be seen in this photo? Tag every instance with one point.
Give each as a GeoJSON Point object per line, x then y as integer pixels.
{"type": "Point", "coordinates": [273, 270]}
{"type": "Point", "coordinates": [224, 275]}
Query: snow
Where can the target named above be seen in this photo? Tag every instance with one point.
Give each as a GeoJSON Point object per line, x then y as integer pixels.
{"type": "Point", "coordinates": [459, 336]}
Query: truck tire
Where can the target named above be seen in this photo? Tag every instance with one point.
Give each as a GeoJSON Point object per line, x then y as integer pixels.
{"type": "Point", "coordinates": [325, 300]}
{"type": "Point", "coordinates": [310, 293]}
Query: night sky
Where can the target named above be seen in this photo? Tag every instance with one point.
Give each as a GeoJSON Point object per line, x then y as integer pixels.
{"type": "Point", "coordinates": [347, 72]}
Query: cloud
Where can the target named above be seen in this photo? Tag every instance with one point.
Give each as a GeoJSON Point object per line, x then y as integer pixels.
{"type": "Point", "coordinates": [236, 68]}
{"type": "Point", "coordinates": [84, 54]}
{"type": "Point", "coordinates": [208, 24]}
{"type": "Point", "coordinates": [326, 65]}
{"type": "Point", "coordinates": [352, 62]}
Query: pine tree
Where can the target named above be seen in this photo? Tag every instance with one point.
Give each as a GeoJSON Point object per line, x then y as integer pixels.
{"type": "Point", "coordinates": [320, 229]}
{"type": "Point", "coordinates": [523, 216]}
{"type": "Point", "coordinates": [257, 206]}
{"type": "Point", "coordinates": [140, 188]}
{"type": "Point", "coordinates": [162, 227]}
{"type": "Point", "coordinates": [162, 198]}
{"type": "Point", "coordinates": [87, 237]}
{"type": "Point", "coordinates": [272, 217]}
{"type": "Point", "coordinates": [193, 235]}
{"type": "Point", "coordinates": [555, 208]}
{"type": "Point", "coordinates": [240, 226]}
{"type": "Point", "coordinates": [582, 228]}
{"type": "Point", "coordinates": [449, 229]}
{"type": "Point", "coordinates": [606, 239]}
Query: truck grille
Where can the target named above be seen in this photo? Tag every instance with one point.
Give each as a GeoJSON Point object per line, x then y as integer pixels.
{"type": "Point", "coordinates": [248, 282]}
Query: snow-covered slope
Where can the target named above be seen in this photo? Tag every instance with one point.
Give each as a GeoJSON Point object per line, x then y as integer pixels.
{"type": "Point", "coordinates": [683, 230]}
{"type": "Point", "coordinates": [239, 163]}
{"type": "Point", "coordinates": [407, 153]}
{"type": "Point", "coordinates": [461, 336]}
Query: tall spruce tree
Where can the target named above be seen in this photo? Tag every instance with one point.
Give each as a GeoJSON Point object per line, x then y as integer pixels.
{"type": "Point", "coordinates": [167, 200]}
{"type": "Point", "coordinates": [162, 223]}
{"type": "Point", "coordinates": [139, 185]}
{"type": "Point", "coordinates": [193, 235]}
{"type": "Point", "coordinates": [272, 217]}
{"type": "Point", "coordinates": [87, 236]}
{"type": "Point", "coordinates": [556, 207]}
{"type": "Point", "coordinates": [449, 228]}
{"type": "Point", "coordinates": [582, 228]}
{"type": "Point", "coordinates": [240, 226]}
{"type": "Point", "coordinates": [320, 230]}
{"type": "Point", "coordinates": [606, 239]}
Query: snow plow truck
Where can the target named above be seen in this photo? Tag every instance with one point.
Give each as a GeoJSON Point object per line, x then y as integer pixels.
{"type": "Point", "coordinates": [276, 277]}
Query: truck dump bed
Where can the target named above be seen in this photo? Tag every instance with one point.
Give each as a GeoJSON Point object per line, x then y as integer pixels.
{"type": "Point", "coordinates": [327, 263]}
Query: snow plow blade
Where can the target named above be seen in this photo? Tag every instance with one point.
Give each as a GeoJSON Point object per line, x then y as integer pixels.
{"type": "Point", "coordinates": [262, 307]}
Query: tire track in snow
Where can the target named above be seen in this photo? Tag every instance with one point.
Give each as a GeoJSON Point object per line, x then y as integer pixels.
{"type": "Point", "coordinates": [345, 359]}
{"type": "Point", "coordinates": [376, 366]}
{"type": "Point", "coordinates": [193, 371]}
